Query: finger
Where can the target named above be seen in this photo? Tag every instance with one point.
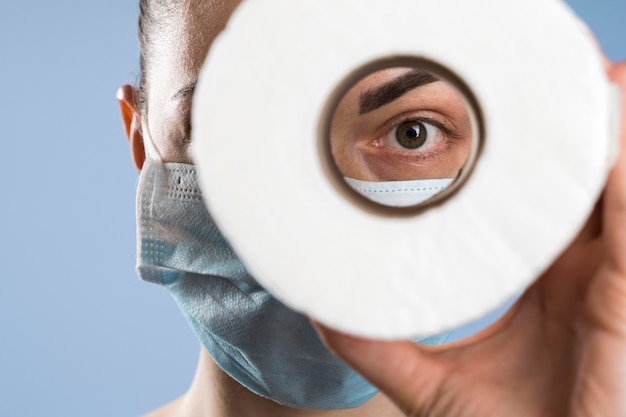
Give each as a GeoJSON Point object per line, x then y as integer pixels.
{"type": "Point", "coordinates": [615, 193]}
{"type": "Point", "coordinates": [593, 227]}
{"type": "Point", "coordinates": [407, 374]}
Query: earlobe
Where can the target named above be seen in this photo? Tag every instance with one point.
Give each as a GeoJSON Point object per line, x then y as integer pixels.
{"type": "Point", "coordinates": [131, 117]}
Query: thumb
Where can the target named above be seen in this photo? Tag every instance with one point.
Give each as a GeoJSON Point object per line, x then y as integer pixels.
{"type": "Point", "coordinates": [407, 373]}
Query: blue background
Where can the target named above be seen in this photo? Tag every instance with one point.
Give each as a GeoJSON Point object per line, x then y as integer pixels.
{"type": "Point", "coordinates": [80, 335]}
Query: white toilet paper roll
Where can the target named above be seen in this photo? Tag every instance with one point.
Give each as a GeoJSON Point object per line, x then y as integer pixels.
{"type": "Point", "coordinates": [545, 100]}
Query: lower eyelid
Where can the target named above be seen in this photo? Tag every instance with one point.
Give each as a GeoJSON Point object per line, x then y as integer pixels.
{"type": "Point", "coordinates": [399, 158]}
{"type": "Point", "coordinates": [422, 157]}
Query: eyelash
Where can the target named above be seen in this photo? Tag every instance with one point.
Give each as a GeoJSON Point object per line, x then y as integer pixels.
{"type": "Point", "coordinates": [452, 138]}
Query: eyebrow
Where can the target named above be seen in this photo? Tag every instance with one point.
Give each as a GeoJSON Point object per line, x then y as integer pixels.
{"type": "Point", "coordinates": [185, 91]}
{"type": "Point", "coordinates": [388, 92]}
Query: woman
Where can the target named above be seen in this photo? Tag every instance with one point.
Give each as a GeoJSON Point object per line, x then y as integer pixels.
{"type": "Point", "coordinates": [561, 351]}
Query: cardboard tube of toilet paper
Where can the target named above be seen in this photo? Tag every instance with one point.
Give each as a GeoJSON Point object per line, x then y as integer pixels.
{"type": "Point", "coordinates": [544, 102]}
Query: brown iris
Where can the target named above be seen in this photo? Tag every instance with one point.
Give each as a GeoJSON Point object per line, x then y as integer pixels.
{"type": "Point", "coordinates": [411, 134]}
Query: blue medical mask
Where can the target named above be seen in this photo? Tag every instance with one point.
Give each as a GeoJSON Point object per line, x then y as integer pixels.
{"type": "Point", "coordinates": [399, 193]}
{"type": "Point", "coordinates": [263, 345]}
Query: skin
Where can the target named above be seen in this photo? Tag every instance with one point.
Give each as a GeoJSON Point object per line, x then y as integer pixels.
{"type": "Point", "coordinates": [162, 133]}
{"type": "Point", "coordinates": [364, 145]}
{"type": "Point", "coordinates": [561, 350]}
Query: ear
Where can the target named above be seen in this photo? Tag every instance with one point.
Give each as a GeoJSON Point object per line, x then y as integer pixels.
{"type": "Point", "coordinates": [131, 117]}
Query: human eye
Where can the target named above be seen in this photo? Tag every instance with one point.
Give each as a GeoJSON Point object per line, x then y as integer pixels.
{"type": "Point", "coordinates": [422, 133]}
{"type": "Point", "coordinates": [419, 138]}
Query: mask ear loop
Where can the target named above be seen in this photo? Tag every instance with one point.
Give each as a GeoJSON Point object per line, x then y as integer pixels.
{"type": "Point", "coordinates": [153, 147]}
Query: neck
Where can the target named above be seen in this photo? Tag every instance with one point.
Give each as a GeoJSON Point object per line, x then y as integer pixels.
{"type": "Point", "coordinates": [215, 394]}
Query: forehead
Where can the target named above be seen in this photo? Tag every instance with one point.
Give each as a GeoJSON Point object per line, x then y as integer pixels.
{"type": "Point", "coordinates": [184, 34]}
{"type": "Point", "coordinates": [181, 35]}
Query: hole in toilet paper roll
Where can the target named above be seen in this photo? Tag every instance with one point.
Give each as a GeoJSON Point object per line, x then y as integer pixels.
{"type": "Point", "coordinates": [400, 135]}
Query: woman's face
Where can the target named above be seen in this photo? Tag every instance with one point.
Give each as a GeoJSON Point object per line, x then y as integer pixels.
{"type": "Point", "coordinates": [175, 60]}
{"type": "Point", "coordinates": [400, 124]}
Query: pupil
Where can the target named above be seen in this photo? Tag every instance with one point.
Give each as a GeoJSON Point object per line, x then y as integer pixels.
{"type": "Point", "coordinates": [411, 134]}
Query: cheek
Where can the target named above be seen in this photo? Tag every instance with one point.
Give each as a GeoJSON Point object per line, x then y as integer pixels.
{"type": "Point", "coordinates": [177, 147]}
{"type": "Point", "coordinates": [352, 165]}
{"type": "Point", "coordinates": [457, 162]}
{"type": "Point", "coordinates": [169, 132]}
